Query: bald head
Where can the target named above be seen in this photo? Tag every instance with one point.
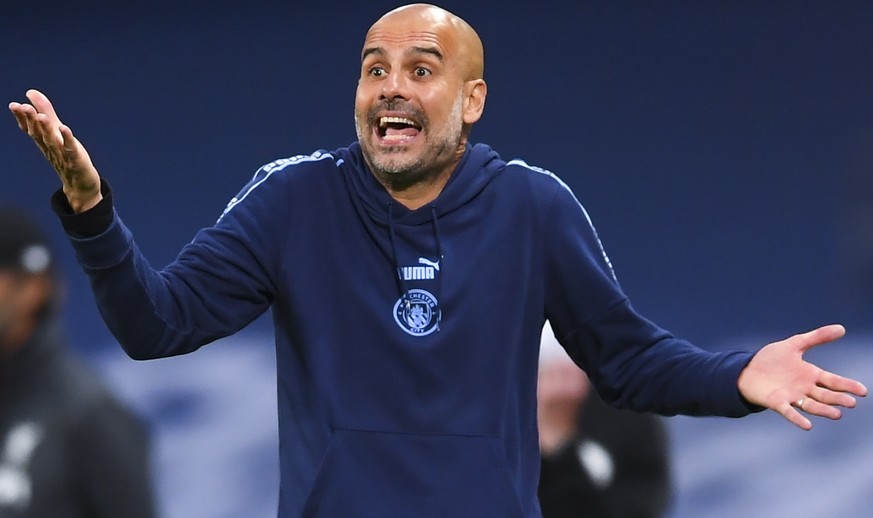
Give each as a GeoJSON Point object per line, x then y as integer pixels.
{"type": "Point", "coordinates": [452, 30]}
{"type": "Point", "coordinates": [418, 96]}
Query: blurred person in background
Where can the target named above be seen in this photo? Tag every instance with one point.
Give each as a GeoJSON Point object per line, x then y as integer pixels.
{"type": "Point", "coordinates": [596, 461]}
{"type": "Point", "coordinates": [68, 447]}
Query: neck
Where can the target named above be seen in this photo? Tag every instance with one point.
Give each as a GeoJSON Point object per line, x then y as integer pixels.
{"type": "Point", "coordinates": [424, 189]}
{"type": "Point", "coordinates": [420, 194]}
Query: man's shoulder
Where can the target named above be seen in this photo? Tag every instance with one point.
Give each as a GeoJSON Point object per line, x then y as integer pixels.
{"type": "Point", "coordinates": [530, 179]}
{"type": "Point", "coordinates": [300, 163]}
{"type": "Point", "coordinates": [535, 172]}
{"type": "Point", "coordinates": [292, 170]}
{"type": "Point", "coordinates": [293, 176]}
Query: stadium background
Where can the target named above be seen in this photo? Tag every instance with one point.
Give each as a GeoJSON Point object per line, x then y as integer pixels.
{"type": "Point", "coordinates": [723, 149]}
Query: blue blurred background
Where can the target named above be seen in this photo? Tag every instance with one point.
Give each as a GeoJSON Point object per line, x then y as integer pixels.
{"type": "Point", "coordinates": [723, 149]}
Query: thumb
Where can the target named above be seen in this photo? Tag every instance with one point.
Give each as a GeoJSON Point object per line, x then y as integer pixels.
{"type": "Point", "coordinates": [819, 336]}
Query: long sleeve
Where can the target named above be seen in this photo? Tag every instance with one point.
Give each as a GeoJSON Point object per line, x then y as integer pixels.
{"type": "Point", "coordinates": [217, 284]}
{"type": "Point", "coordinates": [632, 361]}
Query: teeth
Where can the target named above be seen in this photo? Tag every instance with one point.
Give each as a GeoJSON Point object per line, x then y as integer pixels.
{"type": "Point", "coordinates": [384, 121]}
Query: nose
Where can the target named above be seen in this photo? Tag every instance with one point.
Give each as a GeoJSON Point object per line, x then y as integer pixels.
{"type": "Point", "coordinates": [394, 86]}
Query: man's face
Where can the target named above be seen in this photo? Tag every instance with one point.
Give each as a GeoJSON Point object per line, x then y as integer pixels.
{"type": "Point", "coordinates": [410, 101]}
{"type": "Point", "coordinates": [23, 297]}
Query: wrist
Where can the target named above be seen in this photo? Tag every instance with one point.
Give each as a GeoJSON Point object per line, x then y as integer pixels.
{"type": "Point", "coordinates": [81, 200]}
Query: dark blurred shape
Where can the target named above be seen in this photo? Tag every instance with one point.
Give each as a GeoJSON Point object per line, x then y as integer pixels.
{"type": "Point", "coordinates": [68, 447]}
{"type": "Point", "coordinates": [596, 461]}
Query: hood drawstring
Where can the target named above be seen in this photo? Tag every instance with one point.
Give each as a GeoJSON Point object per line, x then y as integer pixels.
{"type": "Point", "coordinates": [401, 281]}
{"type": "Point", "coordinates": [402, 285]}
{"type": "Point", "coordinates": [439, 246]}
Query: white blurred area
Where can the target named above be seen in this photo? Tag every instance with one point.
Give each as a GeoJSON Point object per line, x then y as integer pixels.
{"type": "Point", "coordinates": [762, 466]}
{"type": "Point", "coordinates": [214, 425]}
{"type": "Point", "coordinates": [213, 414]}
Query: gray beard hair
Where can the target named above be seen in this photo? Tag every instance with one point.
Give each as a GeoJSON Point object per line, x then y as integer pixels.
{"type": "Point", "coordinates": [399, 177]}
{"type": "Point", "coordinates": [403, 176]}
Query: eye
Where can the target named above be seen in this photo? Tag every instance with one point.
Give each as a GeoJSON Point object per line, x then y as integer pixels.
{"type": "Point", "coordinates": [421, 72]}
{"type": "Point", "coordinates": [377, 71]}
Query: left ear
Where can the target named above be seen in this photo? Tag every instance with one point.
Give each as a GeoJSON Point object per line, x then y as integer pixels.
{"type": "Point", "coordinates": [474, 100]}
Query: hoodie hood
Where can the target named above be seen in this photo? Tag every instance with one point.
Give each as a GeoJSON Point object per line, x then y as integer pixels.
{"type": "Point", "coordinates": [410, 239]}
{"type": "Point", "coordinates": [479, 165]}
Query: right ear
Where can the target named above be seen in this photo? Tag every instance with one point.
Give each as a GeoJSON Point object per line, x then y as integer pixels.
{"type": "Point", "coordinates": [475, 92]}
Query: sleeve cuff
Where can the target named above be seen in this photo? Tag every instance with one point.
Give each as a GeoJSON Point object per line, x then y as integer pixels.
{"type": "Point", "coordinates": [90, 223]}
{"type": "Point", "coordinates": [740, 406]}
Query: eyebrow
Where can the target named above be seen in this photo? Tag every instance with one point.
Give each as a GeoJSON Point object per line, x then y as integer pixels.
{"type": "Point", "coordinates": [379, 51]}
{"type": "Point", "coordinates": [433, 51]}
{"type": "Point", "coordinates": [372, 51]}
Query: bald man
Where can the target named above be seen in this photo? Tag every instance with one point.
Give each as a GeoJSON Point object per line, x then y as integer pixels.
{"type": "Point", "coordinates": [407, 382]}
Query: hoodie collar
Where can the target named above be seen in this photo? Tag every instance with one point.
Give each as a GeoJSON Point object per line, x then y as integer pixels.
{"type": "Point", "coordinates": [479, 165]}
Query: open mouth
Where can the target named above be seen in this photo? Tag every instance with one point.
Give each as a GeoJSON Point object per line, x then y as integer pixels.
{"type": "Point", "coordinates": [394, 130]}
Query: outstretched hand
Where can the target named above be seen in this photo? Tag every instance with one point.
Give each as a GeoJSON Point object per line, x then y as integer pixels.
{"type": "Point", "coordinates": [81, 182]}
{"type": "Point", "coordinates": [780, 379]}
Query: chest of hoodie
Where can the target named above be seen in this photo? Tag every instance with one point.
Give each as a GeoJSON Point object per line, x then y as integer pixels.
{"type": "Point", "coordinates": [426, 306]}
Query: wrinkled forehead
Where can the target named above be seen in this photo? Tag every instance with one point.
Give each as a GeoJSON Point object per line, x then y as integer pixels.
{"type": "Point", "coordinates": [413, 29]}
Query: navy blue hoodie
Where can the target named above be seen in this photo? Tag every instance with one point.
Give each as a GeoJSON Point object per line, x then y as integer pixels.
{"type": "Point", "coordinates": [407, 340]}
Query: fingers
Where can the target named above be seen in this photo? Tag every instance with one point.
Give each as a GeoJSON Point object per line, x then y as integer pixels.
{"type": "Point", "coordinates": [42, 103]}
{"type": "Point", "coordinates": [813, 407]}
{"type": "Point", "coordinates": [70, 160]}
{"type": "Point", "coordinates": [832, 398]}
{"type": "Point", "coordinates": [837, 383]}
{"type": "Point", "coordinates": [27, 121]}
{"type": "Point", "coordinates": [49, 130]}
{"type": "Point", "coordinates": [41, 123]}
{"type": "Point", "coordinates": [25, 115]}
{"type": "Point", "coordinates": [832, 391]}
{"type": "Point", "coordinates": [67, 139]}
{"type": "Point", "coordinates": [39, 112]}
{"type": "Point", "coordinates": [793, 416]}
{"type": "Point", "coordinates": [20, 112]}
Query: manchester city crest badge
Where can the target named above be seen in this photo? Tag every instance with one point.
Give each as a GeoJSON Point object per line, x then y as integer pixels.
{"type": "Point", "coordinates": [421, 316]}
